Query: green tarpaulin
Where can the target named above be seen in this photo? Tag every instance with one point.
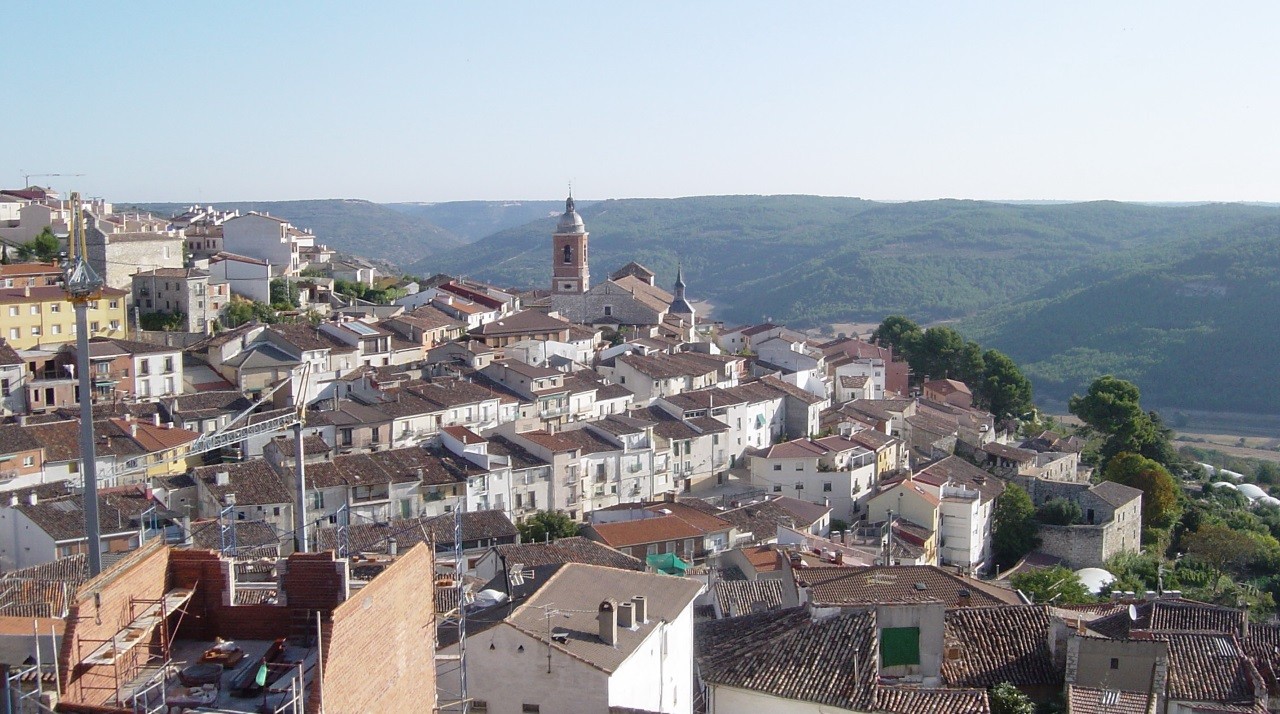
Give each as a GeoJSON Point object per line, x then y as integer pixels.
{"type": "Point", "coordinates": [667, 563]}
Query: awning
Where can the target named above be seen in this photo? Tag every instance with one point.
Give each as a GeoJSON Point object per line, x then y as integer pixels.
{"type": "Point", "coordinates": [668, 563]}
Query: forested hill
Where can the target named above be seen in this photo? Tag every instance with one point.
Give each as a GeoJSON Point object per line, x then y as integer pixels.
{"type": "Point", "coordinates": [1196, 325]}
{"type": "Point", "coordinates": [808, 260]}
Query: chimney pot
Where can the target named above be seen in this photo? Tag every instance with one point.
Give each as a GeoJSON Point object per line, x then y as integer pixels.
{"type": "Point", "coordinates": [607, 617]}
{"type": "Point", "coordinates": [155, 419]}
{"type": "Point", "coordinates": [641, 608]}
{"type": "Point", "coordinates": [392, 547]}
{"type": "Point", "coordinates": [627, 615]}
{"type": "Point", "coordinates": [32, 498]}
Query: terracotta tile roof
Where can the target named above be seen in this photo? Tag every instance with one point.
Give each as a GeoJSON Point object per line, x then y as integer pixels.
{"type": "Point", "coordinates": [63, 518]}
{"type": "Point", "coordinates": [519, 457]}
{"type": "Point", "coordinates": [761, 519]}
{"type": "Point", "coordinates": [1087, 700]}
{"type": "Point", "coordinates": [579, 589]}
{"type": "Point", "coordinates": [15, 438]}
{"type": "Point", "coordinates": [249, 535]}
{"type": "Point", "coordinates": [1262, 644]}
{"type": "Point", "coordinates": [1116, 494]}
{"type": "Point", "coordinates": [587, 442]}
{"type": "Point", "coordinates": [796, 449]}
{"type": "Point", "coordinates": [703, 521]}
{"type": "Point", "coordinates": [408, 532]}
{"type": "Point", "coordinates": [1209, 668]}
{"type": "Point", "coordinates": [525, 321]}
{"type": "Point", "coordinates": [152, 438]}
{"type": "Point", "coordinates": [575, 549]}
{"type": "Point", "coordinates": [1171, 615]}
{"type": "Point", "coordinates": [302, 336]}
{"type": "Point", "coordinates": [961, 472]}
{"type": "Point", "coordinates": [910, 700]}
{"type": "Point", "coordinates": [1008, 643]}
{"type": "Point", "coordinates": [745, 597]}
{"type": "Point", "coordinates": [786, 654]}
{"type": "Point", "coordinates": [804, 513]}
{"type": "Point", "coordinates": [1012, 453]}
{"type": "Point", "coordinates": [47, 293]}
{"type": "Point", "coordinates": [947, 386]}
{"type": "Point", "coordinates": [253, 482]}
{"type": "Point", "coordinates": [644, 531]}
{"type": "Point", "coordinates": [203, 405]}
{"type": "Point", "coordinates": [8, 355]}
{"type": "Point", "coordinates": [890, 584]}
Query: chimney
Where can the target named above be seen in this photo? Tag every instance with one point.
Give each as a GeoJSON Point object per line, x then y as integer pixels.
{"type": "Point", "coordinates": [155, 419]}
{"type": "Point", "coordinates": [13, 500]}
{"type": "Point", "coordinates": [32, 498]}
{"type": "Point", "coordinates": [392, 547]}
{"type": "Point", "coordinates": [642, 608]}
{"type": "Point", "coordinates": [627, 615]}
{"type": "Point", "coordinates": [133, 429]}
{"type": "Point", "coordinates": [186, 529]}
{"type": "Point", "coordinates": [607, 616]}
{"type": "Point", "coordinates": [222, 478]}
{"type": "Point", "coordinates": [964, 598]}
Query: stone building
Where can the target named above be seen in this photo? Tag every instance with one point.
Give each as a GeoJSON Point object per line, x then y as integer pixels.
{"type": "Point", "coordinates": [180, 290]}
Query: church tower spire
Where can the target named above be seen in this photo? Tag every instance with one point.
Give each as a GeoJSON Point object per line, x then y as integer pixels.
{"type": "Point", "coordinates": [569, 269]}
{"type": "Point", "coordinates": [679, 305]}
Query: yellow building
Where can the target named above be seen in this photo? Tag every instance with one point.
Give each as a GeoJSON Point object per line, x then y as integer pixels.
{"type": "Point", "coordinates": [41, 315]}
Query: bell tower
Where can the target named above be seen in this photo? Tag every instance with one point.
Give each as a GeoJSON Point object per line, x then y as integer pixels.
{"type": "Point", "coordinates": [569, 272]}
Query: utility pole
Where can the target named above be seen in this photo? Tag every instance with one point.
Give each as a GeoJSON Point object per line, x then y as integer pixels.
{"type": "Point", "coordinates": [83, 285]}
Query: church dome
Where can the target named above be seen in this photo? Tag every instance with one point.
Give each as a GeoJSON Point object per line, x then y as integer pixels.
{"type": "Point", "coordinates": [570, 221]}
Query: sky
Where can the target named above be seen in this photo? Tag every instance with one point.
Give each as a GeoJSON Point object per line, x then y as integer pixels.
{"type": "Point", "coordinates": [435, 101]}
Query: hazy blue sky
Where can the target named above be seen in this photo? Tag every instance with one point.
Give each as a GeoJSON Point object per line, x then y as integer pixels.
{"type": "Point", "coordinates": [422, 101]}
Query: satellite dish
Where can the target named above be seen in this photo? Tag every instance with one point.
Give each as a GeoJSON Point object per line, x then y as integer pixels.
{"type": "Point", "coordinates": [1133, 613]}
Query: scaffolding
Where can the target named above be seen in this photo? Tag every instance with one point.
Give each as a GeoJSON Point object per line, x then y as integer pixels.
{"type": "Point", "coordinates": [227, 530]}
{"type": "Point", "coordinates": [135, 660]}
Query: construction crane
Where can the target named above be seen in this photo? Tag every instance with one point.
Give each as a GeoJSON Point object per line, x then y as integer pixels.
{"type": "Point", "coordinates": [26, 178]}
{"type": "Point", "coordinates": [83, 285]}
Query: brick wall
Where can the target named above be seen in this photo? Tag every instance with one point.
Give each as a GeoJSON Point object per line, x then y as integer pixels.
{"type": "Point", "coordinates": [313, 581]}
{"type": "Point", "coordinates": [379, 648]}
{"type": "Point", "coordinates": [100, 609]}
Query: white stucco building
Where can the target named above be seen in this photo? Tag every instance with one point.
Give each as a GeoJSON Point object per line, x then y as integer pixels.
{"type": "Point", "coordinates": [588, 638]}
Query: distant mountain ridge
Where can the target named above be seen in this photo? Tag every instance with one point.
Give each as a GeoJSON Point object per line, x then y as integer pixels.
{"type": "Point", "coordinates": [351, 226]}
{"type": "Point", "coordinates": [1183, 299]}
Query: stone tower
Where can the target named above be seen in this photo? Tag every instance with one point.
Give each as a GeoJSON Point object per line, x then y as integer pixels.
{"type": "Point", "coordinates": [569, 273]}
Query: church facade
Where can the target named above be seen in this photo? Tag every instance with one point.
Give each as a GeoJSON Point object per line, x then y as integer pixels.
{"type": "Point", "coordinates": [629, 298]}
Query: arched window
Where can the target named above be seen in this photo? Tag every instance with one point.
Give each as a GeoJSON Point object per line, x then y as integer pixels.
{"type": "Point", "coordinates": [568, 254]}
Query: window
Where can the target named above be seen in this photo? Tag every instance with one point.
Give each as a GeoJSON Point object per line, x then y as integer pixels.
{"type": "Point", "coordinates": [530, 708]}
{"type": "Point", "coordinates": [479, 705]}
{"type": "Point", "coordinates": [114, 304]}
{"type": "Point", "coordinates": [608, 310]}
{"type": "Point", "coordinates": [168, 361]}
{"type": "Point", "coordinates": [144, 367]}
{"type": "Point", "coordinates": [900, 646]}
{"type": "Point", "coordinates": [57, 329]}
{"type": "Point", "coordinates": [317, 500]}
{"type": "Point", "coordinates": [1115, 663]}
{"type": "Point", "coordinates": [14, 333]}
{"type": "Point", "coordinates": [94, 326]}
{"type": "Point", "coordinates": [144, 388]}
{"type": "Point", "coordinates": [777, 488]}
{"type": "Point", "coordinates": [777, 467]}
{"type": "Point", "coordinates": [345, 434]}
{"type": "Point", "coordinates": [55, 307]}
{"type": "Point", "coordinates": [13, 311]}
{"type": "Point", "coordinates": [568, 254]}
{"type": "Point", "coordinates": [115, 324]}
{"type": "Point", "coordinates": [35, 309]}
{"type": "Point", "coordinates": [826, 487]}
{"type": "Point", "coordinates": [28, 461]}
{"type": "Point", "coordinates": [35, 330]}
{"type": "Point", "coordinates": [4, 387]}
{"type": "Point", "coordinates": [102, 367]}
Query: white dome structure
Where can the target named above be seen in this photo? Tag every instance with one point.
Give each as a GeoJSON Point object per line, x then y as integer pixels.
{"type": "Point", "coordinates": [1268, 501]}
{"type": "Point", "coordinates": [1225, 484]}
{"type": "Point", "coordinates": [1233, 475]}
{"type": "Point", "coordinates": [1095, 579]}
{"type": "Point", "coordinates": [1251, 491]}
